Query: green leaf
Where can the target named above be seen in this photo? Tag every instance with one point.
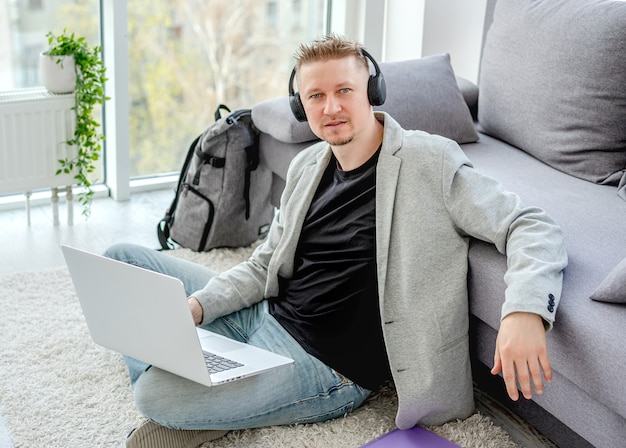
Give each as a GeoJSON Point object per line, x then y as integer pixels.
{"type": "Point", "coordinates": [89, 91]}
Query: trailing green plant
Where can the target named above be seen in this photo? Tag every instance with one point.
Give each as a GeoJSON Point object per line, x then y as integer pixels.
{"type": "Point", "coordinates": [90, 79]}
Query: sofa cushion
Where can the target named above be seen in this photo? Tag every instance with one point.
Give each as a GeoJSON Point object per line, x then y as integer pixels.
{"type": "Point", "coordinates": [424, 94]}
{"type": "Point", "coordinates": [421, 94]}
{"type": "Point", "coordinates": [552, 83]}
{"type": "Point", "coordinates": [613, 287]}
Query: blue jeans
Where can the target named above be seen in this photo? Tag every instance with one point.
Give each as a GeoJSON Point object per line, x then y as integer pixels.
{"type": "Point", "coordinates": [307, 391]}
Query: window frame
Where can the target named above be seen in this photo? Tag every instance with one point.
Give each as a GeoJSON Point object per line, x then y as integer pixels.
{"type": "Point", "coordinates": [118, 181]}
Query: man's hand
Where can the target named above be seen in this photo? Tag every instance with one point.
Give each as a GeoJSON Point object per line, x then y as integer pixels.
{"type": "Point", "coordinates": [521, 348]}
{"type": "Point", "coordinates": [196, 310]}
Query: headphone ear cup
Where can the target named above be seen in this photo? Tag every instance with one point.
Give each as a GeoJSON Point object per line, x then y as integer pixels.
{"type": "Point", "coordinates": [377, 89]}
{"type": "Point", "coordinates": [296, 107]}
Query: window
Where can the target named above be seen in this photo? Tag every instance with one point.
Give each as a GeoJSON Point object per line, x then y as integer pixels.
{"type": "Point", "coordinates": [24, 26]}
{"type": "Point", "coordinates": [272, 14]}
{"type": "Point", "coordinates": [23, 29]}
{"type": "Point", "coordinates": [296, 14]}
{"type": "Point", "coordinates": [35, 4]}
{"type": "Point", "coordinates": [187, 57]}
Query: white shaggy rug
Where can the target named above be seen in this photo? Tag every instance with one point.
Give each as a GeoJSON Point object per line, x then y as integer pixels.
{"type": "Point", "coordinates": [59, 389]}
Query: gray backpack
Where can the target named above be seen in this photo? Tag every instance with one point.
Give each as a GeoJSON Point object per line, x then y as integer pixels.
{"type": "Point", "coordinates": [223, 194]}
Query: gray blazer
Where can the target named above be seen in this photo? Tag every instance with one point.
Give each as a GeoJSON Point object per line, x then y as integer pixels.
{"type": "Point", "coordinates": [429, 202]}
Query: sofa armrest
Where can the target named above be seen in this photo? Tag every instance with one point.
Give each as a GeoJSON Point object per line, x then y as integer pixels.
{"type": "Point", "coordinates": [274, 117]}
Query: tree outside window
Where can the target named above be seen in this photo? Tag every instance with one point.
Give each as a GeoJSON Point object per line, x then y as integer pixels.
{"type": "Point", "coordinates": [185, 58]}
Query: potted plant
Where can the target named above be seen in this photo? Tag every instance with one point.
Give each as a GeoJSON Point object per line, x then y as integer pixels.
{"type": "Point", "coordinates": [74, 54]}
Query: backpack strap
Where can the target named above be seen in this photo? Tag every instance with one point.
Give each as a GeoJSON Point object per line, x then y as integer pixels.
{"type": "Point", "coordinates": [252, 154]}
{"type": "Point", "coordinates": [218, 114]}
{"type": "Point", "coordinates": [215, 162]}
{"type": "Point", "coordinates": [163, 227]}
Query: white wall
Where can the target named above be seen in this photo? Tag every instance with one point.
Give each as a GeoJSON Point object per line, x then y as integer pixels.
{"type": "Point", "coordinates": [404, 37]}
{"type": "Point", "coordinates": [347, 18]}
{"type": "Point", "coordinates": [394, 30]}
{"type": "Point", "coordinates": [455, 27]}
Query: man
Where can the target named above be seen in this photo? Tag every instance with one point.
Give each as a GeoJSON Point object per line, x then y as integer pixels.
{"type": "Point", "coordinates": [362, 278]}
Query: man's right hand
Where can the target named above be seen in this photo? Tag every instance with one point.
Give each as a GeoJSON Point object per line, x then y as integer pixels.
{"type": "Point", "coordinates": [196, 310]}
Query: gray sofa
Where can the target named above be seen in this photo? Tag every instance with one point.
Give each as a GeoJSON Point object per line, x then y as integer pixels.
{"type": "Point", "coordinates": [547, 120]}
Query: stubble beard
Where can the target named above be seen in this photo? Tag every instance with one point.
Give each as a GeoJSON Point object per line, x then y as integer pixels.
{"type": "Point", "coordinates": [340, 142]}
{"type": "Point", "coordinates": [337, 140]}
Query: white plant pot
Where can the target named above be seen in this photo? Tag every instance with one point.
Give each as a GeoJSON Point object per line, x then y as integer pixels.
{"type": "Point", "coordinates": [58, 77]}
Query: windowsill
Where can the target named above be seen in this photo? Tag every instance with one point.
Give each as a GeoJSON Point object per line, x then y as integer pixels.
{"type": "Point", "coordinates": [43, 197]}
{"type": "Point", "coordinates": [154, 183]}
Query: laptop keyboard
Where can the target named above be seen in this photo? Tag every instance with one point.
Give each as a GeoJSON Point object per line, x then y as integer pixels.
{"type": "Point", "coordinates": [216, 363]}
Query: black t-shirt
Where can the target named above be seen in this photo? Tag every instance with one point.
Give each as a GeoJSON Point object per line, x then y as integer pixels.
{"type": "Point", "coordinates": [330, 306]}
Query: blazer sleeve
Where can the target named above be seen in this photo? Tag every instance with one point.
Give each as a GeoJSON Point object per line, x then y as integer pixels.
{"type": "Point", "coordinates": [532, 242]}
{"type": "Point", "coordinates": [242, 285]}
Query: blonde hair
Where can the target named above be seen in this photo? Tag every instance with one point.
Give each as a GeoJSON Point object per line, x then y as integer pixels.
{"type": "Point", "coordinates": [329, 47]}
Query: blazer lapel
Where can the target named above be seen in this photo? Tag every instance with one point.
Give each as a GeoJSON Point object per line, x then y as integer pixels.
{"type": "Point", "coordinates": [387, 174]}
{"type": "Point", "coordinates": [304, 192]}
{"type": "Point", "coordinates": [386, 182]}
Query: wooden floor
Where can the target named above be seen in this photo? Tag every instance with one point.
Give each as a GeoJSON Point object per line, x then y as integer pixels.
{"type": "Point", "coordinates": [36, 247]}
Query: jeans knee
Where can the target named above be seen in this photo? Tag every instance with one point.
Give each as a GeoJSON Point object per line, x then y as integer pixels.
{"type": "Point", "coordinates": [122, 251]}
{"type": "Point", "coordinates": [166, 399]}
{"type": "Point", "coordinates": [147, 399]}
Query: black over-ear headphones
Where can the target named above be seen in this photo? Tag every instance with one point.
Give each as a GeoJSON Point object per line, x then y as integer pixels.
{"type": "Point", "coordinates": [376, 90]}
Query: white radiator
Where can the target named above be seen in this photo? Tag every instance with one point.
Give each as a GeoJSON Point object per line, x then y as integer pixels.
{"type": "Point", "coordinates": [34, 124]}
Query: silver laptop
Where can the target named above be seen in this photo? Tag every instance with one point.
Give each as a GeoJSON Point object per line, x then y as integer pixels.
{"type": "Point", "coordinates": [145, 315]}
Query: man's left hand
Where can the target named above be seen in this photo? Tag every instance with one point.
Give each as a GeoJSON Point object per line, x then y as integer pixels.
{"type": "Point", "coordinates": [521, 348]}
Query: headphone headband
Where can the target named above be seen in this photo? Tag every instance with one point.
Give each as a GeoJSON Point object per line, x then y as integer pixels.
{"type": "Point", "coordinates": [376, 89]}
{"type": "Point", "coordinates": [365, 53]}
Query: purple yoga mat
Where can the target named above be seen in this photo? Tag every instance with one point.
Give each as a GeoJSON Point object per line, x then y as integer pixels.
{"type": "Point", "coordinates": [416, 437]}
